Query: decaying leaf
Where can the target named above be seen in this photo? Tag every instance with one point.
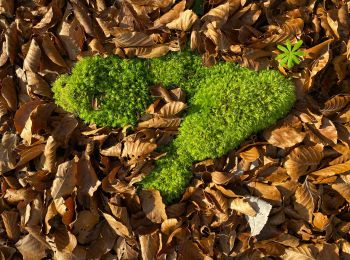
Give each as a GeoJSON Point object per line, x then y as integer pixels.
{"type": "Point", "coordinates": [153, 206]}
{"type": "Point", "coordinates": [258, 221]}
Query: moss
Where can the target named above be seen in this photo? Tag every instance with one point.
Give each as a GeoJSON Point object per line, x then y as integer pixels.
{"type": "Point", "coordinates": [227, 103]}
{"type": "Point", "coordinates": [120, 88]}
{"type": "Point", "coordinates": [231, 103]}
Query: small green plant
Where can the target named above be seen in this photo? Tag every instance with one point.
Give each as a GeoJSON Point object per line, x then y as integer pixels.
{"type": "Point", "coordinates": [227, 103]}
{"type": "Point", "coordinates": [291, 54]}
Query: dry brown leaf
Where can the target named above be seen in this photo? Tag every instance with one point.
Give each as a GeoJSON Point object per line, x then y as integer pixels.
{"type": "Point", "coordinates": [332, 170]}
{"type": "Point", "coordinates": [343, 189]}
{"type": "Point", "coordinates": [335, 104]}
{"type": "Point", "coordinates": [284, 137]}
{"type": "Point", "coordinates": [31, 248]}
{"type": "Point", "coordinates": [72, 36]}
{"type": "Point", "coordinates": [303, 252]}
{"type": "Point", "coordinates": [268, 192]}
{"type": "Point", "coordinates": [65, 179]}
{"type": "Point", "coordinates": [8, 92]}
{"type": "Point", "coordinates": [221, 177]}
{"type": "Point", "coordinates": [148, 52]}
{"type": "Point", "coordinates": [124, 250]}
{"type": "Point", "coordinates": [119, 228]}
{"type": "Point", "coordinates": [32, 59]}
{"type": "Point", "coordinates": [51, 51]}
{"type": "Point", "coordinates": [306, 198]}
{"type": "Point", "coordinates": [7, 154]}
{"type": "Point", "coordinates": [250, 155]}
{"type": "Point", "coordinates": [153, 206]}
{"type": "Point", "coordinates": [172, 108]}
{"type": "Point", "coordinates": [64, 240]}
{"type": "Point", "coordinates": [149, 245]}
{"type": "Point", "coordinates": [87, 180]}
{"type": "Point", "coordinates": [37, 85]}
{"type": "Point", "coordinates": [170, 15]}
{"type": "Point", "coordinates": [242, 205]}
{"type": "Point", "coordinates": [10, 220]}
{"type": "Point", "coordinates": [81, 13]}
{"type": "Point", "coordinates": [158, 122]}
{"type": "Point", "coordinates": [320, 221]}
{"type": "Point", "coordinates": [218, 15]}
{"type": "Point", "coordinates": [302, 160]}
{"type": "Point", "coordinates": [30, 153]}
{"type": "Point", "coordinates": [137, 149]}
{"type": "Point", "coordinates": [184, 22]}
{"type": "Point", "coordinates": [125, 38]}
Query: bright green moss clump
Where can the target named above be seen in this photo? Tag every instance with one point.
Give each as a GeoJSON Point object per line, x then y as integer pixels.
{"type": "Point", "coordinates": [119, 87]}
{"type": "Point", "coordinates": [227, 104]}
{"type": "Point", "coordinates": [230, 104]}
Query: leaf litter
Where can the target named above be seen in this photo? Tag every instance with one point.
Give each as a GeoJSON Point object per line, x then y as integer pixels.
{"type": "Point", "coordinates": [67, 189]}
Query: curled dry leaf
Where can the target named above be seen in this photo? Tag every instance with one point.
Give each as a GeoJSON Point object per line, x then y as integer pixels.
{"type": "Point", "coordinates": [320, 221]}
{"type": "Point", "coordinates": [221, 177]}
{"type": "Point", "coordinates": [149, 246]}
{"type": "Point", "coordinates": [30, 153]}
{"type": "Point", "coordinates": [119, 228]}
{"type": "Point", "coordinates": [148, 52]}
{"type": "Point", "coordinates": [7, 154]}
{"type": "Point", "coordinates": [153, 206]}
{"type": "Point", "coordinates": [268, 192]}
{"type": "Point", "coordinates": [184, 22]}
{"type": "Point", "coordinates": [65, 179]}
{"type": "Point", "coordinates": [284, 137]}
{"type": "Point", "coordinates": [65, 241]}
{"type": "Point", "coordinates": [302, 160]}
{"type": "Point", "coordinates": [332, 170]}
{"type": "Point", "coordinates": [343, 188]}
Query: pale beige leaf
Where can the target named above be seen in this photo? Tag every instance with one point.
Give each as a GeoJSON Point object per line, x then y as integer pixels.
{"type": "Point", "coordinates": [65, 179]}
{"type": "Point", "coordinates": [172, 108]}
{"type": "Point", "coordinates": [306, 198]}
{"type": "Point", "coordinates": [32, 59]}
{"type": "Point", "coordinates": [258, 221]}
{"type": "Point", "coordinates": [242, 205]}
{"type": "Point", "coordinates": [184, 22]}
{"type": "Point", "coordinates": [153, 206]}
{"type": "Point", "coordinates": [284, 137]}
{"type": "Point", "coordinates": [302, 160]}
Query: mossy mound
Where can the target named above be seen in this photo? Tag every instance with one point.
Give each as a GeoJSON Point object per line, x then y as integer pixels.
{"type": "Point", "coordinates": [227, 104]}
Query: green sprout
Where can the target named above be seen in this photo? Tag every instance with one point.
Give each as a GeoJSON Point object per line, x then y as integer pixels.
{"type": "Point", "coordinates": [291, 54]}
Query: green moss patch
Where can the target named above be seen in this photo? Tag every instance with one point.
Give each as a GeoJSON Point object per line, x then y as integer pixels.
{"type": "Point", "coordinates": [227, 104]}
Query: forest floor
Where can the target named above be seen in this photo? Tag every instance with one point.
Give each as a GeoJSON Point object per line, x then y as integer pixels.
{"type": "Point", "coordinates": [67, 188]}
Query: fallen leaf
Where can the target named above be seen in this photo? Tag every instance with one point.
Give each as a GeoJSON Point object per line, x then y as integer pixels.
{"type": "Point", "coordinates": [184, 22]}
{"type": "Point", "coordinates": [284, 137]}
{"type": "Point", "coordinates": [258, 221]}
{"type": "Point", "coordinates": [153, 206]}
{"type": "Point", "coordinates": [242, 205]}
{"type": "Point", "coordinates": [65, 179]}
{"type": "Point", "coordinates": [306, 198]}
{"type": "Point", "coordinates": [32, 59]}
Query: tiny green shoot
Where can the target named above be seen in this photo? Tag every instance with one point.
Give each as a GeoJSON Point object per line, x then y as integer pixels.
{"type": "Point", "coordinates": [290, 55]}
